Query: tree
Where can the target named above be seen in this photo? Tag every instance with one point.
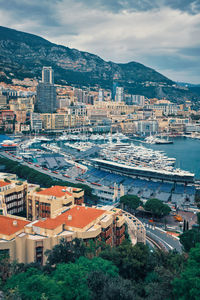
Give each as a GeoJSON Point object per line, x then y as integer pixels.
{"type": "Point", "coordinates": [157, 208]}
{"type": "Point", "coordinates": [190, 238]}
{"type": "Point", "coordinates": [67, 281]}
{"type": "Point", "coordinates": [73, 277]}
{"type": "Point", "coordinates": [132, 261]}
{"type": "Point", "coordinates": [187, 286]}
{"type": "Point", "coordinates": [198, 219]}
{"type": "Point", "coordinates": [4, 267]}
{"type": "Point", "coordinates": [65, 252]}
{"type": "Point", "coordinates": [32, 285]}
{"type": "Point", "coordinates": [131, 201]}
{"type": "Point", "coordinates": [104, 287]}
{"type": "Point", "coordinates": [158, 284]}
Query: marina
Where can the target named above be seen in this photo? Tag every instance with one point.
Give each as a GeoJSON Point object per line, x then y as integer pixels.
{"type": "Point", "coordinates": [112, 167]}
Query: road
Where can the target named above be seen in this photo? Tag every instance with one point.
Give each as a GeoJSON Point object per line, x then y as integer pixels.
{"type": "Point", "coordinates": [163, 238]}
{"type": "Point", "coordinates": [40, 169]}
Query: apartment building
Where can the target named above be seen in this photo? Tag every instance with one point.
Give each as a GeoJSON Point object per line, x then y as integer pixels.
{"type": "Point", "coordinates": [36, 122]}
{"type": "Point", "coordinates": [166, 108]}
{"type": "Point", "coordinates": [7, 118]}
{"type": "Point", "coordinates": [46, 203]}
{"type": "Point", "coordinates": [3, 101]}
{"type": "Point", "coordinates": [13, 196]}
{"type": "Point", "coordinates": [27, 241]}
{"type": "Point", "coordinates": [26, 104]}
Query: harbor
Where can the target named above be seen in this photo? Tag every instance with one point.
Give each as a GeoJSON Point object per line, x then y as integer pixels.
{"type": "Point", "coordinates": [113, 167]}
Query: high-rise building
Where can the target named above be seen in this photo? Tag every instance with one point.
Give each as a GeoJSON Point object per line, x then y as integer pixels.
{"type": "Point", "coordinates": [46, 92]}
{"type": "Point", "coordinates": [78, 95]}
{"type": "Point", "coordinates": [138, 100]}
{"type": "Point", "coordinates": [119, 97]}
{"type": "Point", "coordinates": [47, 75]}
{"type": "Point", "coordinates": [101, 95]}
{"type": "Point", "coordinates": [115, 85]}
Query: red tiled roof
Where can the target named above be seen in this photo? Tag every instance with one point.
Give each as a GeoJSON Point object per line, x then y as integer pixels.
{"type": "Point", "coordinates": [3, 183]}
{"type": "Point", "coordinates": [81, 217]}
{"type": "Point", "coordinates": [7, 227]}
{"type": "Point", "coordinates": [57, 191]}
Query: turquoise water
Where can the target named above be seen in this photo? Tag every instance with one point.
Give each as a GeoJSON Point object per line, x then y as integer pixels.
{"type": "Point", "coordinates": [4, 137]}
{"type": "Point", "coordinates": [185, 150]}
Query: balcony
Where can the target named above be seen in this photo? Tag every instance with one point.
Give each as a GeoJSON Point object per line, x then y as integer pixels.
{"type": "Point", "coordinates": [90, 233]}
{"type": "Point", "coordinates": [109, 241]}
{"type": "Point", "coordinates": [105, 234]}
{"type": "Point", "coordinates": [120, 240]}
{"type": "Point", "coordinates": [120, 231]}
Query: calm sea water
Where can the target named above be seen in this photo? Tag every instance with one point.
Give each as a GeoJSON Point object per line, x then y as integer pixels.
{"type": "Point", "coordinates": [185, 150]}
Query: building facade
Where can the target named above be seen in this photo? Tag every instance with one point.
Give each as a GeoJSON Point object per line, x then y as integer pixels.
{"type": "Point", "coordinates": [13, 195]}
{"type": "Point", "coordinates": [27, 241]}
{"type": "Point", "coordinates": [47, 203]}
{"type": "Point", "coordinates": [46, 93]}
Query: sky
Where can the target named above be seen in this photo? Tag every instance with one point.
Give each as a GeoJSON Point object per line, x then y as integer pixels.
{"type": "Point", "coordinates": [162, 34]}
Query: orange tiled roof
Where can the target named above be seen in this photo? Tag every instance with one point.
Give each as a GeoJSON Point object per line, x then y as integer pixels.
{"type": "Point", "coordinates": [3, 183]}
{"type": "Point", "coordinates": [7, 227]}
{"type": "Point", "coordinates": [56, 191]}
{"type": "Point", "coordinates": [81, 217]}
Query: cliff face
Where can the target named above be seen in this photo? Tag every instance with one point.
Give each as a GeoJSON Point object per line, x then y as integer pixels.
{"type": "Point", "coordinates": [23, 55]}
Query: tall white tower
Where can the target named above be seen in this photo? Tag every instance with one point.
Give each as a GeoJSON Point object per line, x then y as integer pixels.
{"type": "Point", "coordinates": [119, 94]}
{"type": "Point", "coordinates": [48, 75]}
{"type": "Point", "coordinates": [101, 95]}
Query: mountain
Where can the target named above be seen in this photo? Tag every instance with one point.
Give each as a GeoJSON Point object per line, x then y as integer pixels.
{"type": "Point", "coordinates": [23, 55]}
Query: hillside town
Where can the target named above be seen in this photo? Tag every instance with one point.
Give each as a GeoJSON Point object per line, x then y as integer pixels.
{"type": "Point", "coordinates": [24, 110]}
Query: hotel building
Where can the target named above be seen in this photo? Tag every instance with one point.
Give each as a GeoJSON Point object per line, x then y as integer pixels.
{"type": "Point", "coordinates": [27, 241]}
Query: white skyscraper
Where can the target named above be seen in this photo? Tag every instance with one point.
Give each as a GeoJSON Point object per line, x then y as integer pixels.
{"type": "Point", "coordinates": [48, 75]}
{"type": "Point", "coordinates": [119, 97]}
{"type": "Point", "coordinates": [101, 95]}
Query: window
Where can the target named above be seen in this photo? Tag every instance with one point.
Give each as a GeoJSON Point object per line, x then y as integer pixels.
{"type": "Point", "coordinates": [4, 253]}
{"type": "Point", "coordinates": [39, 254]}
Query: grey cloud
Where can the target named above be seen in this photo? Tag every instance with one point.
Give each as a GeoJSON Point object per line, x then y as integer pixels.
{"type": "Point", "coordinates": [175, 66]}
{"type": "Point", "coordinates": [41, 11]}
{"type": "Point", "coordinates": [190, 6]}
{"type": "Point", "coordinates": [160, 35]}
{"type": "Point", "coordinates": [173, 61]}
{"type": "Point", "coordinates": [191, 51]}
{"type": "Point", "coordinates": [120, 5]}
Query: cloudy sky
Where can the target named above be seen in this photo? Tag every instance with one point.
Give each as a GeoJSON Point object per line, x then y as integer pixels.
{"type": "Point", "coordinates": [162, 34]}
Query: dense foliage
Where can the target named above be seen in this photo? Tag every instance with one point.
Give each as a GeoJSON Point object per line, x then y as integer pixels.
{"type": "Point", "coordinates": [126, 272]}
{"type": "Point", "coordinates": [187, 287]}
{"type": "Point", "coordinates": [157, 208]}
{"type": "Point", "coordinates": [190, 238]}
{"type": "Point", "coordinates": [131, 201]}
